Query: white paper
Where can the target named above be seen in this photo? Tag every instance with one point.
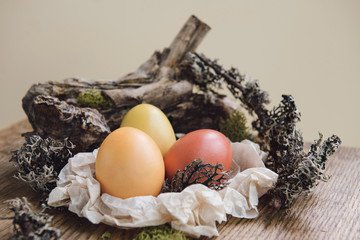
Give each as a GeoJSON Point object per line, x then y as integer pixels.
{"type": "Point", "coordinates": [195, 210]}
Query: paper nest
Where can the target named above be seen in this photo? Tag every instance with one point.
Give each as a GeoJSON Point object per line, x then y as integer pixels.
{"type": "Point", "coordinates": [196, 210]}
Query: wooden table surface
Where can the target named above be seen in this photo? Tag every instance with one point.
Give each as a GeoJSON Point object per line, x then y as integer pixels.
{"type": "Point", "coordinates": [331, 212]}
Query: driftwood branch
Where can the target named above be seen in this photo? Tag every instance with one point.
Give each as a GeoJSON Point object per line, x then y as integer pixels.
{"type": "Point", "coordinates": [187, 40]}
{"type": "Point", "coordinates": [157, 81]}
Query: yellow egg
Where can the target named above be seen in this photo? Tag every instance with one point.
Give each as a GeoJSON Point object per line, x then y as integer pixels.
{"type": "Point", "coordinates": [152, 121]}
{"type": "Point", "coordinates": [129, 164]}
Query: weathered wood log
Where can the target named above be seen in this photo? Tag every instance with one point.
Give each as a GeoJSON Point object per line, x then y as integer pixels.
{"type": "Point", "coordinates": [187, 40]}
{"type": "Point", "coordinates": [84, 126]}
{"type": "Point", "coordinates": [157, 81]}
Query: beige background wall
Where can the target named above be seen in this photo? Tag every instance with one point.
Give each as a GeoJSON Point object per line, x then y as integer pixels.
{"type": "Point", "coordinates": [310, 49]}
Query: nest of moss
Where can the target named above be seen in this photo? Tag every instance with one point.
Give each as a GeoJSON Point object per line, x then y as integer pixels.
{"type": "Point", "coordinates": [174, 71]}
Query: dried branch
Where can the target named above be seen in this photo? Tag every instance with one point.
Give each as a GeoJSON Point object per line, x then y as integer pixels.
{"type": "Point", "coordinates": [243, 88]}
{"type": "Point", "coordinates": [195, 172]}
{"type": "Point", "coordinates": [187, 40]}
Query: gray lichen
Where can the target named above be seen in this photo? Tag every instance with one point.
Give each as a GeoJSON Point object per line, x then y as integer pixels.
{"type": "Point", "coordinates": [39, 161]}
{"type": "Point", "coordinates": [299, 174]}
{"type": "Point", "coordinates": [29, 224]}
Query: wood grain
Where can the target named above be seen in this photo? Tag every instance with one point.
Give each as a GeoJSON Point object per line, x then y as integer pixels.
{"type": "Point", "coordinates": [331, 212]}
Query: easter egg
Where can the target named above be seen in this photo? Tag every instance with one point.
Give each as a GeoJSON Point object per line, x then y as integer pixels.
{"type": "Point", "coordinates": [210, 146]}
{"type": "Point", "coordinates": [129, 164]}
{"type": "Point", "coordinates": [153, 122]}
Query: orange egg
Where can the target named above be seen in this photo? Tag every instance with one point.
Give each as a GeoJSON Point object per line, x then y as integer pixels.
{"type": "Point", "coordinates": [129, 164]}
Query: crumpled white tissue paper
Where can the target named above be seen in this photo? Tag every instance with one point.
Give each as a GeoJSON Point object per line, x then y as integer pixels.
{"type": "Point", "coordinates": [195, 210]}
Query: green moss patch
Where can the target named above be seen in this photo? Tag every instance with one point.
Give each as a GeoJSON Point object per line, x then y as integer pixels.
{"type": "Point", "coordinates": [93, 98]}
